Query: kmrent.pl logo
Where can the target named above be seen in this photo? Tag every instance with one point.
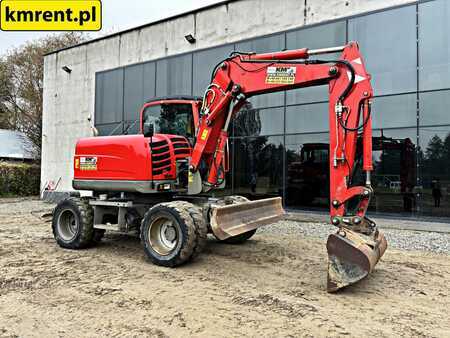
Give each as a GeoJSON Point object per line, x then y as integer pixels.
{"type": "Point", "coordinates": [50, 15]}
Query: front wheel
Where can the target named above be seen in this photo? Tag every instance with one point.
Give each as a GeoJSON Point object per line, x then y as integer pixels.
{"type": "Point", "coordinates": [173, 233]}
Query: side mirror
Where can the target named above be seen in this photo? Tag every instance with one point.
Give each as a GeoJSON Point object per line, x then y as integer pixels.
{"type": "Point", "coordinates": [149, 129]}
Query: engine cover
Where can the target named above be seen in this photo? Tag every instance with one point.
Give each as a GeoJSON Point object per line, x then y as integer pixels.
{"type": "Point", "coordinates": [129, 162]}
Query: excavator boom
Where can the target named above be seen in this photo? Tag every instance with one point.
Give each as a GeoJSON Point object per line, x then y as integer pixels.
{"type": "Point", "coordinates": [357, 245]}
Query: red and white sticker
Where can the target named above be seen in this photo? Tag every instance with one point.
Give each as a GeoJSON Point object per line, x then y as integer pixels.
{"type": "Point", "coordinates": [88, 163]}
{"type": "Point", "coordinates": [281, 75]}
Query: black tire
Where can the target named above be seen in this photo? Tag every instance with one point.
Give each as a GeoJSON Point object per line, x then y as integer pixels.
{"type": "Point", "coordinates": [72, 223]}
{"type": "Point", "coordinates": [239, 239]}
{"type": "Point", "coordinates": [188, 234]}
{"type": "Point", "coordinates": [98, 235]}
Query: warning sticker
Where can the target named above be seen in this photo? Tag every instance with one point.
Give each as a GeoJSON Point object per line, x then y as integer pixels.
{"type": "Point", "coordinates": [281, 75]}
{"type": "Point", "coordinates": [88, 163]}
{"type": "Point", "coordinates": [204, 135]}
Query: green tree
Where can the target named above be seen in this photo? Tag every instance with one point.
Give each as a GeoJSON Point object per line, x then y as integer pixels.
{"type": "Point", "coordinates": [21, 84]}
{"type": "Point", "coordinates": [446, 154]}
{"type": "Point", "coordinates": [435, 149]}
{"type": "Point", "coordinates": [434, 157]}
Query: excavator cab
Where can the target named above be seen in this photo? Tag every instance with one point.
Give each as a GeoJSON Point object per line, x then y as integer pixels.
{"type": "Point", "coordinates": [172, 115]}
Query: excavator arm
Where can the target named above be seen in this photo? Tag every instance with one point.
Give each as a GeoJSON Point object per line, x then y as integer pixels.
{"type": "Point", "coordinates": [357, 246]}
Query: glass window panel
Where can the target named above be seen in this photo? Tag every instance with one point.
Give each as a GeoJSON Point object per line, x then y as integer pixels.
{"type": "Point", "coordinates": [434, 108]}
{"type": "Point", "coordinates": [434, 158]}
{"type": "Point", "coordinates": [388, 44]}
{"type": "Point", "coordinates": [255, 122]}
{"type": "Point", "coordinates": [149, 80]}
{"type": "Point", "coordinates": [98, 97]}
{"type": "Point", "coordinates": [322, 36]}
{"type": "Point", "coordinates": [258, 166]}
{"type": "Point", "coordinates": [267, 44]}
{"type": "Point", "coordinates": [394, 111]}
{"type": "Point", "coordinates": [131, 127]}
{"type": "Point", "coordinates": [110, 129]}
{"type": "Point", "coordinates": [307, 118]}
{"type": "Point", "coordinates": [204, 63]}
{"type": "Point", "coordinates": [307, 171]}
{"type": "Point", "coordinates": [394, 177]}
{"type": "Point", "coordinates": [109, 97]}
{"type": "Point", "coordinates": [133, 91]}
{"type": "Point", "coordinates": [174, 76]}
{"type": "Point", "coordinates": [434, 45]}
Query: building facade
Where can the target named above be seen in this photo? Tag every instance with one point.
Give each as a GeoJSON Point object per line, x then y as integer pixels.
{"type": "Point", "coordinates": [280, 145]}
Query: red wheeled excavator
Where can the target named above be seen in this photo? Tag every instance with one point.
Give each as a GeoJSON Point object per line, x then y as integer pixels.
{"type": "Point", "coordinates": [158, 183]}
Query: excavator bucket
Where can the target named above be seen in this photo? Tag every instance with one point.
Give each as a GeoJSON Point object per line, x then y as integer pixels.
{"type": "Point", "coordinates": [235, 219]}
{"type": "Point", "coordinates": [352, 256]}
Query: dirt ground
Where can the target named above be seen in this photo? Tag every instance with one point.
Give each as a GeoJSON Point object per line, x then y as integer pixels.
{"type": "Point", "coordinates": [272, 286]}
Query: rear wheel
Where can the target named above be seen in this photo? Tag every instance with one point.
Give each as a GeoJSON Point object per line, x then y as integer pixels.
{"type": "Point", "coordinates": [246, 235]}
{"type": "Point", "coordinates": [73, 223]}
{"type": "Point", "coordinates": [172, 233]}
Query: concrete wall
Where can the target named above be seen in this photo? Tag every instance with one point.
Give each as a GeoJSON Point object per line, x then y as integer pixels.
{"type": "Point", "coordinates": [69, 98]}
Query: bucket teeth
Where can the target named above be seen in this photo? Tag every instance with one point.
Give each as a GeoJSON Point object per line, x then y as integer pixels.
{"type": "Point", "coordinates": [352, 256]}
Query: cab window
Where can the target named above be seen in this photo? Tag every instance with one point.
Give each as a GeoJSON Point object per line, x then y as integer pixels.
{"type": "Point", "coordinates": [175, 119]}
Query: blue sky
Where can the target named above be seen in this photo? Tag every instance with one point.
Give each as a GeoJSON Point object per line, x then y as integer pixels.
{"type": "Point", "coordinates": [117, 15]}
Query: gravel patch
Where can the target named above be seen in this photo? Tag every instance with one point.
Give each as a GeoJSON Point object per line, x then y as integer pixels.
{"type": "Point", "coordinates": [399, 239]}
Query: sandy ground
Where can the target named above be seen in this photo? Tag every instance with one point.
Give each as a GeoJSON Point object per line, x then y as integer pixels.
{"type": "Point", "coordinates": [272, 286]}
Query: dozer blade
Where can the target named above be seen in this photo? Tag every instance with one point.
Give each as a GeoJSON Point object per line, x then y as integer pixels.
{"type": "Point", "coordinates": [235, 219]}
{"type": "Point", "coordinates": [352, 256]}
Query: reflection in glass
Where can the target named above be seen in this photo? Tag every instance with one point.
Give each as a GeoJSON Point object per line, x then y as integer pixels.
{"type": "Point", "coordinates": [391, 52]}
{"type": "Point", "coordinates": [434, 108]}
{"type": "Point", "coordinates": [307, 172]}
{"type": "Point", "coordinates": [307, 118]}
{"type": "Point", "coordinates": [394, 175]}
{"type": "Point", "coordinates": [131, 127]}
{"type": "Point", "coordinates": [258, 122]}
{"type": "Point", "coordinates": [258, 166]}
{"type": "Point", "coordinates": [434, 155]}
{"type": "Point", "coordinates": [328, 35]}
{"type": "Point", "coordinates": [203, 65]}
{"type": "Point", "coordinates": [394, 111]}
{"type": "Point", "coordinates": [434, 47]}
{"type": "Point", "coordinates": [112, 129]}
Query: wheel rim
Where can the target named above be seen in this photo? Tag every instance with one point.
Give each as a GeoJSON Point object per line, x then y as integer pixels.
{"type": "Point", "coordinates": [164, 235]}
{"type": "Point", "coordinates": [67, 225]}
